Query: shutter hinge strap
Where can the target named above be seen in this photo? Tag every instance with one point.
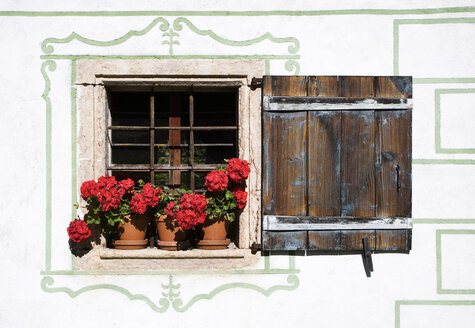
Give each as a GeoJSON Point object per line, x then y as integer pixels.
{"type": "Point", "coordinates": [256, 82]}
{"type": "Point", "coordinates": [367, 260]}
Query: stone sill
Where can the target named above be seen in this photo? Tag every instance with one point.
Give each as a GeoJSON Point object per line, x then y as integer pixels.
{"type": "Point", "coordinates": [155, 259]}
{"type": "Point", "coordinates": [156, 253]}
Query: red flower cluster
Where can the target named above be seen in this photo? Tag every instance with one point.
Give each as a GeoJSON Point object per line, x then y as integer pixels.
{"type": "Point", "coordinates": [190, 212]}
{"type": "Point", "coordinates": [78, 231]}
{"type": "Point", "coordinates": [216, 181]}
{"type": "Point", "coordinates": [241, 197]}
{"type": "Point", "coordinates": [89, 189]}
{"type": "Point", "coordinates": [149, 197]}
{"type": "Point", "coordinates": [238, 170]}
{"type": "Point", "coordinates": [107, 191]}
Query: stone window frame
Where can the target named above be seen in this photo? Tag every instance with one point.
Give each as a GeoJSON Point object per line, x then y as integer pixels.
{"type": "Point", "coordinates": [94, 76]}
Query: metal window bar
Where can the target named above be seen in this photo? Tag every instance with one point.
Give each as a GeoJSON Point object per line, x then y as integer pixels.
{"type": "Point", "coordinates": [152, 168]}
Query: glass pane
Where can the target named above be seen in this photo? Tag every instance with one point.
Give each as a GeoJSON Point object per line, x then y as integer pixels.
{"type": "Point", "coordinates": [130, 147]}
{"type": "Point", "coordinates": [136, 176]}
{"type": "Point", "coordinates": [130, 108]}
{"type": "Point", "coordinates": [200, 179]}
{"type": "Point", "coordinates": [169, 105]}
{"type": "Point", "coordinates": [213, 155]}
{"type": "Point", "coordinates": [215, 109]}
{"type": "Point", "coordinates": [164, 149]}
{"type": "Point", "coordinates": [130, 155]}
{"type": "Point", "coordinates": [161, 179]}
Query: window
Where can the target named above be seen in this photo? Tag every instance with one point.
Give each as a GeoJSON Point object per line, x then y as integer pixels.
{"type": "Point", "coordinates": [171, 137]}
{"type": "Point", "coordinates": [337, 163]}
{"type": "Point", "coordinates": [203, 111]}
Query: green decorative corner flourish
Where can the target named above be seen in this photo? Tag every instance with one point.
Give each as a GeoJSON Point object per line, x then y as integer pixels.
{"type": "Point", "coordinates": [170, 296]}
{"type": "Point", "coordinates": [47, 47]}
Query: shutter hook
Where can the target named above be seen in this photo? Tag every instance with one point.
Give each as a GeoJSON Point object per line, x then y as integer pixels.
{"type": "Point", "coordinates": [367, 260]}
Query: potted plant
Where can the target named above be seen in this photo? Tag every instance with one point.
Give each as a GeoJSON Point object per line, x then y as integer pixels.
{"type": "Point", "coordinates": [225, 197]}
{"type": "Point", "coordinates": [183, 212]}
{"type": "Point", "coordinates": [120, 207]}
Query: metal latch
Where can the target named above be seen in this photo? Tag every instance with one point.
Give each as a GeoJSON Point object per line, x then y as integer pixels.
{"type": "Point", "coordinates": [255, 247]}
{"type": "Point", "coordinates": [367, 260]}
{"type": "Point", "coordinates": [256, 82]}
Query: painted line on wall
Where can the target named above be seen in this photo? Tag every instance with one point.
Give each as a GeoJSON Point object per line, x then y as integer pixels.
{"type": "Point", "coordinates": [422, 11]}
{"type": "Point", "coordinates": [433, 161]}
{"type": "Point", "coordinates": [438, 143]}
{"type": "Point", "coordinates": [438, 246]}
{"type": "Point", "coordinates": [425, 21]}
{"type": "Point", "coordinates": [400, 303]}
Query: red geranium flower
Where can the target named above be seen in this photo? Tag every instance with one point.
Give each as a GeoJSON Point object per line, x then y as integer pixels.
{"type": "Point", "coordinates": [78, 231]}
{"type": "Point", "coordinates": [151, 195]}
{"type": "Point", "coordinates": [89, 189]}
{"type": "Point", "coordinates": [216, 181]}
{"type": "Point", "coordinates": [109, 198]}
{"type": "Point", "coordinates": [241, 197]}
{"type": "Point", "coordinates": [191, 210]}
{"type": "Point", "coordinates": [106, 182]}
{"type": "Point", "coordinates": [238, 170]}
{"type": "Point", "coordinates": [138, 204]}
{"type": "Point", "coordinates": [127, 184]}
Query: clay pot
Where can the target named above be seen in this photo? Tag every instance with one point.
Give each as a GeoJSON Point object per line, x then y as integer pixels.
{"type": "Point", "coordinates": [214, 235]}
{"type": "Point", "coordinates": [171, 236]}
{"type": "Point", "coordinates": [132, 232]}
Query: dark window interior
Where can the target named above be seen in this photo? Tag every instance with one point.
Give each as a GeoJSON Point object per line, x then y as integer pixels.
{"type": "Point", "coordinates": [171, 138]}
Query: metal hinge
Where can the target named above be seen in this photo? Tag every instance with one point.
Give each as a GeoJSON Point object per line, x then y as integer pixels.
{"type": "Point", "coordinates": [256, 82]}
{"type": "Point", "coordinates": [367, 260]}
{"type": "Point", "coordinates": [255, 247]}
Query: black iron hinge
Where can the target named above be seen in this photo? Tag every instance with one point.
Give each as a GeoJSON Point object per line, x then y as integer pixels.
{"type": "Point", "coordinates": [256, 82]}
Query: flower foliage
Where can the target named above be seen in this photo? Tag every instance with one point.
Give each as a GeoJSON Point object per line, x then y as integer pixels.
{"type": "Point", "coordinates": [78, 231]}
{"type": "Point", "coordinates": [226, 193]}
{"type": "Point", "coordinates": [189, 211]}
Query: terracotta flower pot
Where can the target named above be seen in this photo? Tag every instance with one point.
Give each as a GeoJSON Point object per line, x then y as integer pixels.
{"type": "Point", "coordinates": [214, 235]}
{"type": "Point", "coordinates": [171, 236]}
{"type": "Point", "coordinates": [132, 232]}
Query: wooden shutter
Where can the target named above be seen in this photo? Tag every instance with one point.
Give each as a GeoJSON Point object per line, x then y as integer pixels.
{"type": "Point", "coordinates": [336, 163]}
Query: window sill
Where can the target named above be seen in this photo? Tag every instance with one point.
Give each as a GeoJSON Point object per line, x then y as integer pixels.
{"type": "Point", "coordinates": [154, 259]}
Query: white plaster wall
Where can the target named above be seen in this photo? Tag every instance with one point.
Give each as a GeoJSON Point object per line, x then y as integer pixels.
{"type": "Point", "coordinates": [433, 286]}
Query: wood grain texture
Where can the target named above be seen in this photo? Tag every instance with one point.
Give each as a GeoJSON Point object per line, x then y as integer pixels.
{"type": "Point", "coordinates": [285, 163]}
{"type": "Point", "coordinates": [356, 86]}
{"type": "Point", "coordinates": [174, 136]}
{"type": "Point", "coordinates": [322, 86]}
{"type": "Point", "coordinates": [352, 240]}
{"type": "Point", "coordinates": [393, 240]}
{"type": "Point", "coordinates": [358, 185]}
{"type": "Point", "coordinates": [393, 167]}
{"type": "Point", "coordinates": [284, 86]}
{"type": "Point", "coordinates": [324, 163]}
{"type": "Point", "coordinates": [324, 240]}
{"type": "Point", "coordinates": [284, 240]}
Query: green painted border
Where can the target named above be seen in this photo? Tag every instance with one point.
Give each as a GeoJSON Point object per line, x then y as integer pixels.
{"type": "Point", "coordinates": [172, 296]}
{"type": "Point", "coordinates": [437, 161]}
{"type": "Point", "coordinates": [398, 304]}
{"type": "Point", "coordinates": [442, 221]}
{"type": "Point", "coordinates": [423, 11]}
{"type": "Point", "coordinates": [424, 21]}
{"type": "Point", "coordinates": [438, 144]}
{"type": "Point", "coordinates": [438, 246]}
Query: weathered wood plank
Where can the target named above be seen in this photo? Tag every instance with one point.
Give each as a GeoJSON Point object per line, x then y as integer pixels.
{"type": "Point", "coordinates": [356, 86]}
{"type": "Point", "coordinates": [322, 86]}
{"type": "Point", "coordinates": [393, 165]}
{"type": "Point", "coordinates": [295, 86]}
{"type": "Point", "coordinates": [277, 103]}
{"type": "Point", "coordinates": [393, 87]}
{"type": "Point", "coordinates": [284, 240]}
{"type": "Point", "coordinates": [357, 164]}
{"type": "Point", "coordinates": [393, 240]}
{"type": "Point", "coordinates": [324, 240]}
{"type": "Point", "coordinates": [285, 163]}
{"type": "Point", "coordinates": [274, 222]}
{"type": "Point", "coordinates": [324, 163]}
{"type": "Point", "coordinates": [352, 240]}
